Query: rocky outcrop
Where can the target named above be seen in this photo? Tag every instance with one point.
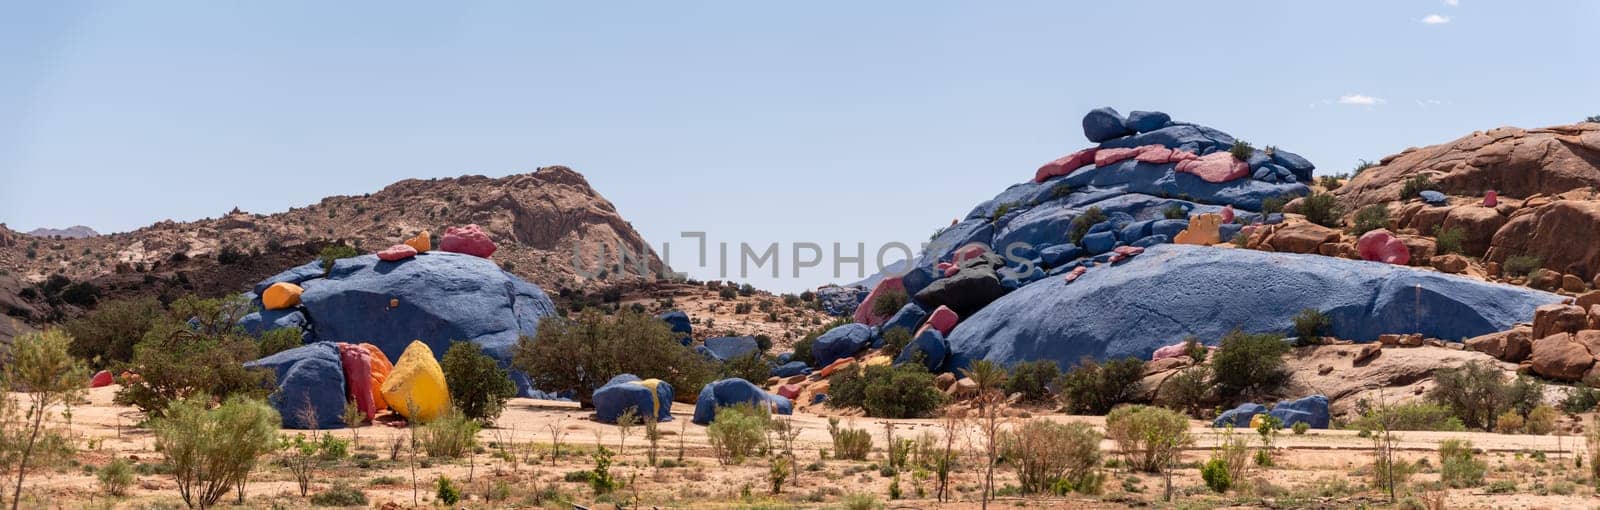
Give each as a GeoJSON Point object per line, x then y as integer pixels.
{"type": "Point", "coordinates": [1560, 233]}
{"type": "Point", "coordinates": [1514, 162]}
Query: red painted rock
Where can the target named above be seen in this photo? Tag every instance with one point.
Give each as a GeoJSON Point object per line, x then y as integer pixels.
{"type": "Point", "coordinates": [1154, 154]}
{"type": "Point", "coordinates": [943, 319]}
{"type": "Point", "coordinates": [397, 252]}
{"type": "Point", "coordinates": [1227, 213]}
{"type": "Point", "coordinates": [1382, 246]}
{"type": "Point", "coordinates": [1168, 351]}
{"type": "Point", "coordinates": [470, 240]}
{"type": "Point", "coordinates": [968, 251]}
{"type": "Point", "coordinates": [100, 379]}
{"type": "Point", "coordinates": [789, 391]}
{"type": "Point", "coordinates": [1491, 199]}
{"type": "Point", "coordinates": [864, 313]}
{"type": "Point", "coordinates": [951, 270]}
{"type": "Point", "coordinates": [1215, 167]}
{"type": "Point", "coordinates": [1065, 165]}
{"type": "Point", "coordinates": [943, 266]}
{"type": "Point", "coordinates": [357, 364]}
{"type": "Point", "coordinates": [1107, 157]}
{"type": "Point", "coordinates": [1075, 273]}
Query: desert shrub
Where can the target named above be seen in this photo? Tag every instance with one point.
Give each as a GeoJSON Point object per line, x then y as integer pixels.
{"type": "Point", "coordinates": [115, 477]}
{"type": "Point", "coordinates": [333, 252]}
{"type": "Point", "coordinates": [860, 501]}
{"type": "Point", "coordinates": [341, 494]}
{"type": "Point", "coordinates": [1094, 388]}
{"type": "Point", "coordinates": [1524, 394]}
{"type": "Point", "coordinates": [1409, 416]}
{"type": "Point", "coordinates": [196, 347]}
{"type": "Point", "coordinates": [446, 491]}
{"type": "Point", "coordinates": [1362, 166]}
{"type": "Point", "coordinates": [1522, 265]}
{"type": "Point", "coordinates": [1413, 187]}
{"type": "Point", "coordinates": [1478, 393]}
{"type": "Point", "coordinates": [110, 331]}
{"type": "Point", "coordinates": [904, 391]}
{"type": "Point", "coordinates": [1329, 182]}
{"type": "Point", "coordinates": [1508, 422]}
{"type": "Point", "coordinates": [1581, 399]}
{"type": "Point", "coordinates": [279, 340]}
{"type": "Point", "coordinates": [213, 451]}
{"type": "Point", "coordinates": [1032, 379]}
{"type": "Point", "coordinates": [450, 435]}
{"type": "Point", "coordinates": [1459, 467]}
{"type": "Point", "coordinates": [1186, 390]}
{"type": "Point", "coordinates": [1215, 474]}
{"type": "Point", "coordinates": [849, 444]}
{"type": "Point", "coordinates": [896, 339]}
{"type": "Point", "coordinates": [1541, 420]}
{"type": "Point", "coordinates": [584, 352]}
{"type": "Point", "coordinates": [1448, 240]}
{"type": "Point", "coordinates": [81, 294]}
{"type": "Point", "coordinates": [751, 367]}
{"type": "Point", "coordinates": [848, 387]}
{"type": "Point", "coordinates": [1046, 452]}
{"type": "Point", "coordinates": [1248, 364]}
{"type": "Point", "coordinates": [1080, 225]}
{"type": "Point", "coordinates": [1370, 218]}
{"type": "Point", "coordinates": [743, 308]}
{"type": "Point", "coordinates": [737, 431]}
{"type": "Point", "coordinates": [1175, 212]}
{"type": "Point", "coordinates": [1274, 204]}
{"type": "Point", "coordinates": [1309, 325]}
{"type": "Point", "coordinates": [1322, 209]}
{"type": "Point", "coordinates": [1301, 427]}
{"type": "Point", "coordinates": [478, 386]}
{"type": "Point", "coordinates": [1241, 150]}
{"type": "Point", "coordinates": [229, 255]}
{"type": "Point", "coordinates": [1001, 210]}
{"type": "Point", "coordinates": [1147, 437]}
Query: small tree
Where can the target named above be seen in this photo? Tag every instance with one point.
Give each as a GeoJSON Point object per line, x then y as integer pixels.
{"type": "Point", "coordinates": [1095, 388]}
{"type": "Point", "coordinates": [41, 367]}
{"type": "Point", "coordinates": [109, 332]}
{"type": "Point", "coordinates": [584, 352]}
{"type": "Point", "coordinates": [1309, 325]}
{"type": "Point", "coordinates": [353, 418]}
{"type": "Point", "coordinates": [1459, 467]}
{"type": "Point", "coordinates": [197, 347]}
{"type": "Point", "coordinates": [1248, 364]}
{"type": "Point", "coordinates": [1187, 390]}
{"type": "Point", "coordinates": [1045, 453]}
{"type": "Point", "coordinates": [625, 424]}
{"type": "Point", "coordinates": [214, 450]}
{"type": "Point", "coordinates": [1241, 150]}
{"type": "Point", "coordinates": [478, 385]}
{"type": "Point", "coordinates": [1032, 379]}
{"type": "Point", "coordinates": [1476, 392]}
{"type": "Point", "coordinates": [1147, 437]}
{"type": "Point", "coordinates": [990, 378]}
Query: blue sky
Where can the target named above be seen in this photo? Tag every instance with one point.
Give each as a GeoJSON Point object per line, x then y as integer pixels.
{"type": "Point", "coordinates": [756, 123]}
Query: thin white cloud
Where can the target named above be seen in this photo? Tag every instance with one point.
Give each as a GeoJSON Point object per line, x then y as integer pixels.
{"type": "Point", "coordinates": [1360, 99]}
{"type": "Point", "coordinates": [1453, 3]}
{"type": "Point", "coordinates": [1429, 102]}
{"type": "Point", "coordinates": [1435, 19]}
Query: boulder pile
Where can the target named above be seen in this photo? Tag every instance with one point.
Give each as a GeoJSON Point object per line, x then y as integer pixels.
{"type": "Point", "coordinates": [1563, 343]}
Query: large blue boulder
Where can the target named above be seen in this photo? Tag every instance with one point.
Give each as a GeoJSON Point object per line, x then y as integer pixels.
{"type": "Point", "coordinates": [437, 297]}
{"type": "Point", "coordinates": [955, 236]}
{"type": "Point", "coordinates": [840, 342]}
{"type": "Point", "coordinates": [908, 318]}
{"type": "Point", "coordinates": [1173, 291]}
{"type": "Point", "coordinates": [840, 301]}
{"type": "Point", "coordinates": [725, 348]}
{"type": "Point", "coordinates": [296, 275]}
{"type": "Point", "coordinates": [1300, 167]}
{"type": "Point", "coordinates": [1099, 242]}
{"type": "Point", "coordinates": [1161, 180]}
{"type": "Point", "coordinates": [919, 278]}
{"type": "Point", "coordinates": [628, 391]}
{"type": "Point", "coordinates": [929, 347]}
{"type": "Point", "coordinates": [1200, 140]}
{"type": "Point", "coordinates": [256, 323]}
{"type": "Point", "coordinates": [791, 369]}
{"type": "Point", "coordinates": [679, 322]}
{"type": "Point", "coordinates": [1169, 228]}
{"type": "Point", "coordinates": [1104, 123]}
{"type": "Point", "coordinates": [310, 386]}
{"type": "Point", "coordinates": [1312, 410]}
{"type": "Point", "coordinates": [965, 292]}
{"type": "Point", "coordinates": [1240, 416]}
{"type": "Point", "coordinates": [1056, 255]}
{"type": "Point", "coordinates": [1145, 122]}
{"type": "Point", "coordinates": [728, 392]}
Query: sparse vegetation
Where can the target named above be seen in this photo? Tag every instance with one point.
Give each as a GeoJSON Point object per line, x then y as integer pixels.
{"type": "Point", "coordinates": [1310, 325]}
{"type": "Point", "coordinates": [1459, 466]}
{"type": "Point", "coordinates": [1370, 218]}
{"type": "Point", "coordinates": [278, 340]}
{"type": "Point", "coordinates": [41, 367]}
{"type": "Point", "coordinates": [1414, 186]}
{"type": "Point", "coordinates": [1148, 438]}
{"type": "Point", "coordinates": [450, 435]}
{"type": "Point", "coordinates": [196, 347]}
{"type": "Point", "coordinates": [1032, 379]}
{"type": "Point", "coordinates": [1094, 388]}
{"type": "Point", "coordinates": [212, 451]}
{"type": "Point", "coordinates": [1175, 212]}
{"type": "Point", "coordinates": [1322, 209]}
{"type": "Point", "coordinates": [334, 252]}
{"type": "Point", "coordinates": [584, 352]}
{"type": "Point", "coordinates": [1522, 265]}
{"type": "Point", "coordinates": [1361, 166]}
{"type": "Point", "coordinates": [1051, 455]}
{"type": "Point", "coordinates": [1478, 394]}
{"type": "Point", "coordinates": [1241, 150]}
{"type": "Point", "coordinates": [107, 334]}
{"type": "Point", "coordinates": [115, 477]}
{"type": "Point", "coordinates": [478, 386]}
{"type": "Point", "coordinates": [889, 302]}
{"type": "Point", "coordinates": [848, 443]}
{"type": "Point", "coordinates": [1081, 224]}
{"type": "Point", "coordinates": [737, 431]}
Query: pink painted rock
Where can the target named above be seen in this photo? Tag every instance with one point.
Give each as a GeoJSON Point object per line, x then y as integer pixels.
{"type": "Point", "coordinates": [789, 391]}
{"type": "Point", "coordinates": [1181, 155]}
{"type": "Point", "coordinates": [1491, 199]}
{"type": "Point", "coordinates": [950, 269]}
{"type": "Point", "coordinates": [1128, 251]}
{"type": "Point", "coordinates": [944, 266]}
{"type": "Point", "coordinates": [1065, 165]}
{"type": "Point", "coordinates": [1227, 213]}
{"type": "Point", "coordinates": [1168, 351]}
{"type": "Point", "coordinates": [1215, 167]}
{"type": "Point", "coordinates": [943, 319]}
{"type": "Point", "coordinates": [1075, 273]}
{"type": "Point", "coordinates": [397, 252]}
{"type": "Point", "coordinates": [1107, 157]}
{"type": "Point", "coordinates": [470, 240]}
{"type": "Point", "coordinates": [1382, 246]}
{"type": "Point", "coordinates": [1154, 154]}
{"type": "Point", "coordinates": [100, 379]}
{"type": "Point", "coordinates": [968, 251]}
{"type": "Point", "coordinates": [864, 313]}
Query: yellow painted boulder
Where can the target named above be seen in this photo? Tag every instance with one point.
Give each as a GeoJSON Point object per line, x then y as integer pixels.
{"type": "Point", "coordinates": [1203, 230]}
{"type": "Point", "coordinates": [416, 387]}
{"type": "Point", "coordinates": [281, 295]}
{"type": "Point", "coordinates": [421, 242]}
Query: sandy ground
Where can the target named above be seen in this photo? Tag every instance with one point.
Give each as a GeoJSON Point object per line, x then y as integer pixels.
{"type": "Point", "coordinates": [1322, 469]}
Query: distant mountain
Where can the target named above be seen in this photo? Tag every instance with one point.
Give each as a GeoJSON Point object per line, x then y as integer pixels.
{"type": "Point", "coordinates": [72, 232]}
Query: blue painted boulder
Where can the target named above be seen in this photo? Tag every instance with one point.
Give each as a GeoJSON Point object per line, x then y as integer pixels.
{"type": "Point", "coordinates": [1173, 291]}
{"type": "Point", "coordinates": [256, 323]}
{"type": "Point", "coordinates": [628, 391]}
{"type": "Point", "coordinates": [1312, 410]}
{"type": "Point", "coordinates": [908, 318]}
{"type": "Point", "coordinates": [310, 384]}
{"type": "Point", "coordinates": [840, 342]}
{"type": "Point", "coordinates": [1099, 242]}
{"type": "Point", "coordinates": [1145, 122]}
{"type": "Point", "coordinates": [791, 369]}
{"type": "Point", "coordinates": [725, 348]}
{"type": "Point", "coordinates": [679, 322]}
{"type": "Point", "coordinates": [1239, 417]}
{"type": "Point", "coordinates": [1104, 123]}
{"type": "Point", "coordinates": [840, 301]}
{"type": "Point", "coordinates": [437, 297]}
{"type": "Point", "coordinates": [296, 275]}
{"type": "Point", "coordinates": [1169, 228]}
{"type": "Point", "coordinates": [930, 348]}
{"type": "Point", "coordinates": [1432, 197]}
{"type": "Point", "coordinates": [728, 392]}
{"type": "Point", "coordinates": [919, 278]}
{"type": "Point", "coordinates": [1056, 255]}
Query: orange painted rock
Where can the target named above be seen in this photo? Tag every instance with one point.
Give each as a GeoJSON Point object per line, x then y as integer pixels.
{"type": "Point", "coordinates": [422, 242]}
{"type": "Point", "coordinates": [281, 295]}
{"type": "Point", "coordinates": [1203, 230]}
{"type": "Point", "coordinates": [380, 373]}
{"type": "Point", "coordinates": [836, 366]}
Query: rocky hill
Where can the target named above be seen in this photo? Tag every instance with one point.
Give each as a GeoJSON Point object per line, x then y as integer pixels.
{"type": "Point", "coordinates": [73, 232]}
{"type": "Point", "coordinates": [537, 220]}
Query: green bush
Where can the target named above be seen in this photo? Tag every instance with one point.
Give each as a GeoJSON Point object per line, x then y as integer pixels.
{"type": "Point", "coordinates": [115, 477]}
{"type": "Point", "coordinates": [1522, 265]}
{"type": "Point", "coordinates": [176, 359]}
{"type": "Point", "coordinates": [451, 435]}
{"type": "Point", "coordinates": [478, 386]}
{"type": "Point", "coordinates": [904, 391]}
{"type": "Point", "coordinates": [1175, 212]}
{"type": "Point", "coordinates": [1248, 364]}
{"type": "Point", "coordinates": [1301, 427]}
{"type": "Point", "coordinates": [341, 494]}
{"type": "Point", "coordinates": [1362, 166]}
{"type": "Point", "coordinates": [1148, 437]}
{"type": "Point", "coordinates": [1241, 150]}
{"type": "Point", "coordinates": [1541, 420]}
{"type": "Point", "coordinates": [1408, 416]}
{"type": "Point", "coordinates": [278, 340]}
{"type": "Point", "coordinates": [1581, 399]}
{"type": "Point", "coordinates": [1322, 209]}
{"type": "Point", "coordinates": [1215, 474]}
{"type": "Point", "coordinates": [1045, 452]}
{"type": "Point", "coordinates": [583, 352]}
{"type": "Point", "coordinates": [1477, 393]}
{"type": "Point", "coordinates": [213, 451]}
{"type": "Point", "coordinates": [896, 339]}
{"type": "Point", "coordinates": [1094, 388]}
{"type": "Point", "coordinates": [1370, 218]}
{"type": "Point", "coordinates": [1273, 205]}
{"type": "Point", "coordinates": [110, 331]}
{"type": "Point", "coordinates": [849, 444]}
{"type": "Point", "coordinates": [446, 490]}
{"type": "Point", "coordinates": [737, 431]}
{"type": "Point", "coordinates": [1032, 379]}
{"type": "Point", "coordinates": [333, 252]}
{"type": "Point", "coordinates": [751, 367]}
{"type": "Point", "coordinates": [1311, 324]}
{"type": "Point", "coordinates": [1080, 225]}
{"type": "Point", "coordinates": [1001, 210]}
{"type": "Point", "coordinates": [1413, 187]}
{"type": "Point", "coordinates": [1186, 390]}
{"type": "Point", "coordinates": [1448, 240]}
{"type": "Point", "coordinates": [1459, 467]}
{"type": "Point", "coordinates": [1330, 182]}
{"type": "Point", "coordinates": [848, 387]}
